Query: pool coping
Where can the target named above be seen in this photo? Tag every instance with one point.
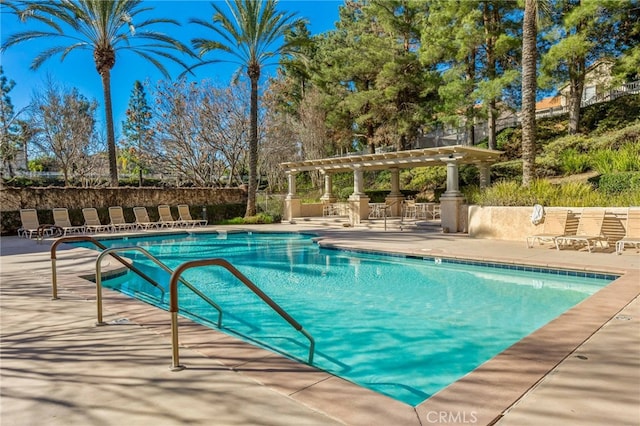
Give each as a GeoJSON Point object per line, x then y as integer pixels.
{"type": "Point", "coordinates": [481, 397]}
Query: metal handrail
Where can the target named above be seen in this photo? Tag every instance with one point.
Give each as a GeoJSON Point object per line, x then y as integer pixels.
{"type": "Point", "coordinates": [173, 305]}
{"type": "Point", "coordinates": [54, 275]}
{"type": "Point", "coordinates": [157, 262]}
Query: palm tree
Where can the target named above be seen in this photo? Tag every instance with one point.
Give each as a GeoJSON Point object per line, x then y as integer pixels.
{"type": "Point", "coordinates": [253, 33]}
{"type": "Point", "coordinates": [533, 11]}
{"type": "Point", "coordinates": [529, 88]}
{"type": "Point", "coordinates": [104, 27]}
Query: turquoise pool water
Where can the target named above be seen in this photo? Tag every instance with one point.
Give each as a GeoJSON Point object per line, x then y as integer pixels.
{"type": "Point", "coordinates": [405, 327]}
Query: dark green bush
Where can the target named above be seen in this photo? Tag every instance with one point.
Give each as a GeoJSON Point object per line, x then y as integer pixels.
{"type": "Point", "coordinates": [508, 170]}
{"type": "Point", "coordinates": [616, 183]}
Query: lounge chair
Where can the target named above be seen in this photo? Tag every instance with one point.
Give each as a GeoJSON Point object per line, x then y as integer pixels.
{"type": "Point", "coordinates": [185, 217]}
{"type": "Point", "coordinates": [118, 221]}
{"type": "Point", "coordinates": [31, 225]}
{"type": "Point", "coordinates": [142, 219]}
{"type": "Point", "coordinates": [632, 235]}
{"type": "Point", "coordinates": [166, 218]}
{"type": "Point", "coordinates": [92, 221]}
{"type": "Point", "coordinates": [554, 225]}
{"type": "Point", "coordinates": [589, 230]}
{"type": "Point", "coordinates": [61, 220]}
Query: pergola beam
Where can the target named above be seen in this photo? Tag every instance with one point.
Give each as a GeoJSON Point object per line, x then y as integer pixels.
{"type": "Point", "coordinates": [427, 157]}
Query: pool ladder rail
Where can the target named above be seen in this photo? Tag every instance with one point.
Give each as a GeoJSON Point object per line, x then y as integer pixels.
{"type": "Point", "coordinates": [173, 288]}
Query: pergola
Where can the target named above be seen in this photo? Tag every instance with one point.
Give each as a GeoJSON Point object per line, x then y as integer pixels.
{"type": "Point", "coordinates": [450, 156]}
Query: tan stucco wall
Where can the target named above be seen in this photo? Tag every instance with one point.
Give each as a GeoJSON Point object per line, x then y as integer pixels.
{"type": "Point", "coordinates": [311, 210]}
{"type": "Point", "coordinates": [13, 199]}
{"type": "Point", "coordinates": [514, 223]}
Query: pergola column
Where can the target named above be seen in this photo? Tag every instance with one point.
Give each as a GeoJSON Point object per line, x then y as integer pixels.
{"type": "Point", "coordinates": [485, 174]}
{"type": "Point", "coordinates": [358, 179]}
{"type": "Point", "coordinates": [358, 201]}
{"type": "Point", "coordinates": [452, 178]}
{"type": "Point", "coordinates": [328, 196]}
{"type": "Point", "coordinates": [395, 197]}
{"type": "Point", "coordinates": [451, 201]}
{"type": "Point", "coordinates": [292, 203]}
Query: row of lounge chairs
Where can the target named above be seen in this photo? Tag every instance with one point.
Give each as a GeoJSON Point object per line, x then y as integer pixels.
{"type": "Point", "coordinates": [62, 223]}
{"type": "Point", "coordinates": [589, 231]}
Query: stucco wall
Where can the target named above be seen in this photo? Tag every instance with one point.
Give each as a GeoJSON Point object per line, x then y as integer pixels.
{"type": "Point", "coordinates": [14, 199]}
{"type": "Point", "coordinates": [514, 223]}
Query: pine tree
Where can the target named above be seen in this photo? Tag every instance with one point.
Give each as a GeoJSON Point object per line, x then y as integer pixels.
{"type": "Point", "coordinates": [139, 135]}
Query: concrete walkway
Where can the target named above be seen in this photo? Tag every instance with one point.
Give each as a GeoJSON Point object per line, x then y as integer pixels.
{"type": "Point", "coordinates": [58, 368]}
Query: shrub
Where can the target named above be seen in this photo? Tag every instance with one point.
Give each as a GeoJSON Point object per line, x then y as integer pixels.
{"type": "Point", "coordinates": [572, 194]}
{"type": "Point", "coordinates": [424, 178]}
{"type": "Point", "coordinates": [508, 170]}
{"type": "Point", "coordinates": [625, 159]}
{"type": "Point", "coordinates": [574, 162]}
{"type": "Point", "coordinates": [616, 183]}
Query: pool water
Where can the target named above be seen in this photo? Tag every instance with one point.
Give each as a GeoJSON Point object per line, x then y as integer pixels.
{"type": "Point", "coordinates": [404, 327]}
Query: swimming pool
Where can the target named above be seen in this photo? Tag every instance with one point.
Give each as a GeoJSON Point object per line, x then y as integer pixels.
{"type": "Point", "coordinates": [405, 327]}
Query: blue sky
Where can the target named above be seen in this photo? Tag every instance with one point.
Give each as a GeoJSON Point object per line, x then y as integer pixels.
{"type": "Point", "coordinates": [78, 68]}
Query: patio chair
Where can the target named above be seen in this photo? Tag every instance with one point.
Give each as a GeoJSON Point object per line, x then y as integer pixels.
{"type": "Point", "coordinates": [166, 218]}
{"type": "Point", "coordinates": [30, 224]}
{"type": "Point", "coordinates": [409, 209]}
{"type": "Point", "coordinates": [554, 225]}
{"type": "Point", "coordinates": [632, 234]}
{"type": "Point", "coordinates": [435, 213]}
{"type": "Point", "coordinates": [185, 216]}
{"type": "Point", "coordinates": [589, 230]}
{"type": "Point", "coordinates": [142, 219]}
{"type": "Point", "coordinates": [61, 220]}
{"type": "Point", "coordinates": [118, 222]}
{"type": "Point", "coordinates": [92, 221]}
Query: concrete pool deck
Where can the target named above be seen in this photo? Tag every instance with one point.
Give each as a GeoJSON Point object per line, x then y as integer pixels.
{"type": "Point", "coordinates": [58, 368]}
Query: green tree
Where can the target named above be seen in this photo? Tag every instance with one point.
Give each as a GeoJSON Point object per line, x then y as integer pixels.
{"type": "Point", "coordinates": [103, 27]}
{"type": "Point", "coordinates": [138, 132]}
{"type": "Point", "coordinates": [451, 40]}
{"type": "Point", "coordinates": [9, 128]}
{"type": "Point", "coordinates": [473, 43]}
{"type": "Point", "coordinates": [251, 33]}
{"type": "Point", "coordinates": [584, 32]}
{"type": "Point", "coordinates": [407, 102]}
{"type": "Point", "coordinates": [350, 59]}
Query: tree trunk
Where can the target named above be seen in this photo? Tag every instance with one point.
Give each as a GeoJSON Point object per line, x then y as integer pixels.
{"type": "Point", "coordinates": [491, 124]}
{"type": "Point", "coordinates": [253, 150]}
{"type": "Point", "coordinates": [576, 86]}
{"type": "Point", "coordinates": [529, 86]}
{"type": "Point", "coordinates": [108, 113]}
{"type": "Point", "coordinates": [471, 112]}
{"type": "Point", "coordinates": [491, 20]}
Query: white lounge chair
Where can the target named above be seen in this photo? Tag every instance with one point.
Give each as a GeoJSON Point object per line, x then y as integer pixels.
{"type": "Point", "coordinates": [92, 221]}
{"type": "Point", "coordinates": [118, 222]}
{"type": "Point", "coordinates": [166, 218]}
{"type": "Point", "coordinates": [31, 225]}
{"type": "Point", "coordinates": [632, 234]}
{"type": "Point", "coordinates": [185, 217]}
{"type": "Point", "coordinates": [142, 219]}
{"type": "Point", "coordinates": [61, 220]}
{"type": "Point", "coordinates": [554, 225]}
{"type": "Point", "coordinates": [589, 230]}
